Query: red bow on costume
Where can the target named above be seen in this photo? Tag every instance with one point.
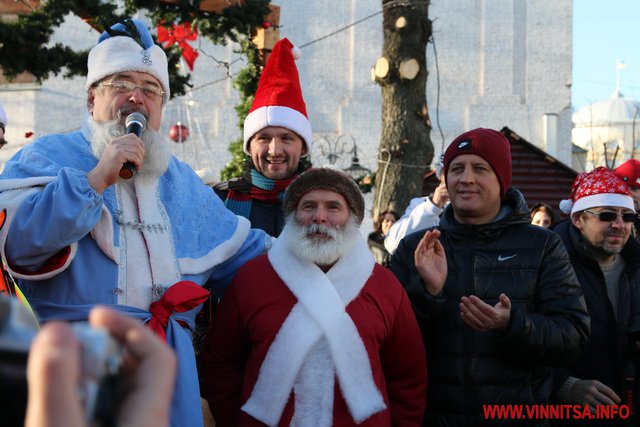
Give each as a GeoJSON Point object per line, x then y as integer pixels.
{"type": "Point", "coordinates": [179, 34]}
{"type": "Point", "coordinates": [182, 296]}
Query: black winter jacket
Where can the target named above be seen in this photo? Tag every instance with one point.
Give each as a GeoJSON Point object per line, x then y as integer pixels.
{"type": "Point", "coordinates": [376, 246]}
{"type": "Point", "coordinates": [609, 356]}
{"type": "Point", "coordinates": [549, 324]}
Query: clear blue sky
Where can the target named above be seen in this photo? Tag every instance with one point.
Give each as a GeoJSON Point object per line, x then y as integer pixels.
{"type": "Point", "coordinates": [605, 31]}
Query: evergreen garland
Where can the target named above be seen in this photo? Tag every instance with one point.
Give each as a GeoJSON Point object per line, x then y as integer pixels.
{"type": "Point", "coordinates": [25, 42]}
{"type": "Point", "coordinates": [246, 82]}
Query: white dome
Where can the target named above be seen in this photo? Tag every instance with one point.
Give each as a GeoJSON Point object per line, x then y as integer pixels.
{"type": "Point", "coordinates": [616, 110]}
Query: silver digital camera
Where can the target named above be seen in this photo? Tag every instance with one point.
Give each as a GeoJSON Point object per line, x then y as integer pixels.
{"type": "Point", "coordinates": [101, 357]}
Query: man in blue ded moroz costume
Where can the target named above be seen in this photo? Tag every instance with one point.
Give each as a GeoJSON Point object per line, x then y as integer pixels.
{"type": "Point", "coordinates": [78, 235]}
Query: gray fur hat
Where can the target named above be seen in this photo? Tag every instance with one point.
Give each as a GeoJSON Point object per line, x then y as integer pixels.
{"type": "Point", "coordinates": [325, 179]}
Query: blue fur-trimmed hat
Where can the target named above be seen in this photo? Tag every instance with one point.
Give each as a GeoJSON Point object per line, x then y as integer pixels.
{"type": "Point", "coordinates": [127, 46]}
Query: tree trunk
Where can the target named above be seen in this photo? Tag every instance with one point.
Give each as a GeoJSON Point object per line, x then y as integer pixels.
{"type": "Point", "coordinates": [405, 150]}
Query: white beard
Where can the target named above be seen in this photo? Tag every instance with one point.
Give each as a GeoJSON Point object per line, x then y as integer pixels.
{"type": "Point", "coordinates": [320, 251]}
{"type": "Point", "coordinates": [156, 146]}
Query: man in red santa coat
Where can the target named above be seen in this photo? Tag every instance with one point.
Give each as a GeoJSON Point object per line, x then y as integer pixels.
{"type": "Point", "coordinates": [315, 332]}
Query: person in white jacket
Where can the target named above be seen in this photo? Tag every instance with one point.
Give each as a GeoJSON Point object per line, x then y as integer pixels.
{"type": "Point", "coordinates": [422, 213]}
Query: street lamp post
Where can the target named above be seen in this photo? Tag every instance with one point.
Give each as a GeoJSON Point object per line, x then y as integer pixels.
{"type": "Point", "coordinates": [331, 148]}
{"type": "Point", "coordinates": [335, 147]}
{"type": "Point", "coordinates": [355, 170]}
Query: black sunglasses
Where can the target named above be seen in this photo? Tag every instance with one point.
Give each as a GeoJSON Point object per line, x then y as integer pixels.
{"type": "Point", "coordinates": [608, 216]}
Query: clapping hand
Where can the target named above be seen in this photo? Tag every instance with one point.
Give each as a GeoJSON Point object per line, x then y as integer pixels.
{"type": "Point", "coordinates": [431, 262]}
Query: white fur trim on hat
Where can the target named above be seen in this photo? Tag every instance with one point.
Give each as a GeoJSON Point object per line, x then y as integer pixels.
{"type": "Point", "coordinates": [275, 115]}
{"type": "Point", "coordinates": [566, 205]}
{"type": "Point", "coordinates": [602, 200]}
{"type": "Point", "coordinates": [120, 54]}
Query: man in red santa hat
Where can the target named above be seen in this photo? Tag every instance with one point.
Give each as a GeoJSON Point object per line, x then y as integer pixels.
{"type": "Point", "coordinates": [315, 332]}
{"type": "Point", "coordinates": [277, 137]}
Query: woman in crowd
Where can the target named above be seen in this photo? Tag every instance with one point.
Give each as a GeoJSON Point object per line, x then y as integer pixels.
{"type": "Point", "coordinates": [376, 238]}
{"type": "Point", "coordinates": [542, 215]}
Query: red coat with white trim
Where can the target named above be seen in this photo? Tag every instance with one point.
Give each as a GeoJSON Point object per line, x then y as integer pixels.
{"type": "Point", "coordinates": [252, 312]}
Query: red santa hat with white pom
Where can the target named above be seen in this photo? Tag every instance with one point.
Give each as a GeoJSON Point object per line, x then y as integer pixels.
{"type": "Point", "coordinates": [600, 187]}
{"type": "Point", "coordinates": [278, 100]}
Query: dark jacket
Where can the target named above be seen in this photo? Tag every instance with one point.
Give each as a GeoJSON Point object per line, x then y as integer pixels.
{"type": "Point", "coordinates": [376, 246]}
{"type": "Point", "coordinates": [609, 354]}
{"type": "Point", "coordinates": [549, 324]}
{"type": "Point", "coordinates": [268, 217]}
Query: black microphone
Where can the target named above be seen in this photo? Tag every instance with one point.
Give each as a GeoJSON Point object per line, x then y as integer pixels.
{"type": "Point", "coordinates": [135, 123]}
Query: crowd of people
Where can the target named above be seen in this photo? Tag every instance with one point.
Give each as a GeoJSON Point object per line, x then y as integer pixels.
{"type": "Point", "coordinates": [471, 298]}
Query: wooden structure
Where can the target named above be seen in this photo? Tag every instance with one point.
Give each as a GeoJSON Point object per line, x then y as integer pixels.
{"type": "Point", "coordinates": [13, 7]}
{"type": "Point", "coordinates": [539, 176]}
{"type": "Point", "coordinates": [267, 36]}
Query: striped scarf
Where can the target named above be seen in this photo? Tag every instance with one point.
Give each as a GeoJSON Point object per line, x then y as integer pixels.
{"type": "Point", "coordinates": [254, 185]}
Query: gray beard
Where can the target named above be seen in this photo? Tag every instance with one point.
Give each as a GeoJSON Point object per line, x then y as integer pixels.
{"type": "Point", "coordinates": [156, 146]}
{"type": "Point", "coordinates": [322, 252]}
{"type": "Point", "coordinates": [602, 251]}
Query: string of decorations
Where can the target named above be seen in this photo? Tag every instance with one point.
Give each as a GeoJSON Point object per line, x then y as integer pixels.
{"type": "Point", "coordinates": [302, 46]}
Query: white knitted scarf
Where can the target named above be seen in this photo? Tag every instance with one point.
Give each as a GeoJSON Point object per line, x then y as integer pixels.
{"type": "Point", "coordinates": [317, 343]}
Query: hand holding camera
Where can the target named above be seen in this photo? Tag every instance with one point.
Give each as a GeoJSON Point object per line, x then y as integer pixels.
{"type": "Point", "coordinates": [56, 375]}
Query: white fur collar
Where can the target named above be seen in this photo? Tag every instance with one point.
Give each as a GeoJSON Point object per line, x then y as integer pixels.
{"type": "Point", "coordinates": [317, 343]}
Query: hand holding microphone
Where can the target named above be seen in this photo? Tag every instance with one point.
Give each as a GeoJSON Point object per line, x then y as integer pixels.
{"type": "Point", "coordinates": [135, 123]}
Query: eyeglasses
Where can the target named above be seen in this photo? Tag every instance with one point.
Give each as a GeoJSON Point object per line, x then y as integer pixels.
{"type": "Point", "coordinates": [608, 216]}
{"type": "Point", "coordinates": [124, 86]}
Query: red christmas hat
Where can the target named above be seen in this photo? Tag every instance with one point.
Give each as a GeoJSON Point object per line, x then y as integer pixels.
{"type": "Point", "coordinates": [629, 172]}
{"type": "Point", "coordinates": [278, 100]}
{"type": "Point", "coordinates": [600, 187]}
{"type": "Point", "coordinates": [488, 144]}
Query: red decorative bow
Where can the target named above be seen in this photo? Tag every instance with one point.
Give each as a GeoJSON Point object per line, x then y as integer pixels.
{"type": "Point", "coordinates": [180, 34]}
{"type": "Point", "coordinates": [182, 296]}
